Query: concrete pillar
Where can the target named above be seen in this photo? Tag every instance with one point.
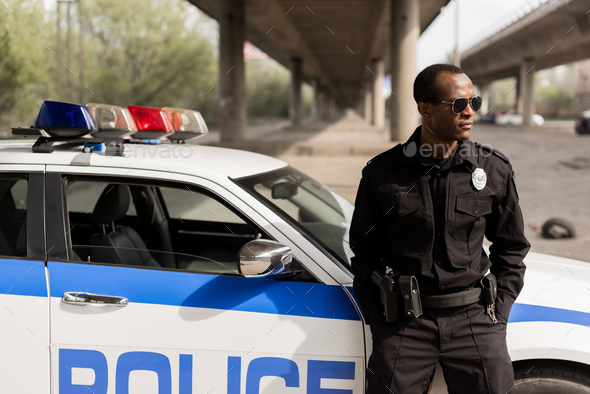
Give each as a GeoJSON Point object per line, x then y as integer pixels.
{"type": "Point", "coordinates": [405, 29]}
{"type": "Point", "coordinates": [378, 113]}
{"type": "Point", "coordinates": [315, 99]}
{"type": "Point", "coordinates": [326, 104]}
{"type": "Point", "coordinates": [359, 109]}
{"type": "Point", "coordinates": [485, 99]}
{"type": "Point", "coordinates": [360, 105]}
{"type": "Point", "coordinates": [368, 102]}
{"type": "Point", "coordinates": [232, 97]}
{"type": "Point", "coordinates": [525, 103]}
{"type": "Point", "coordinates": [296, 81]}
{"type": "Point", "coordinates": [321, 99]}
{"type": "Point", "coordinates": [335, 109]}
{"type": "Point", "coordinates": [331, 107]}
{"type": "Point", "coordinates": [518, 94]}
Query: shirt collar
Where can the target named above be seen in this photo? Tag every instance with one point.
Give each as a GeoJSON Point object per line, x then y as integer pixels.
{"type": "Point", "coordinates": [464, 151]}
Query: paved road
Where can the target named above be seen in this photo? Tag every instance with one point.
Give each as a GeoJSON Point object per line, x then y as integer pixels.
{"type": "Point", "coordinates": [552, 175]}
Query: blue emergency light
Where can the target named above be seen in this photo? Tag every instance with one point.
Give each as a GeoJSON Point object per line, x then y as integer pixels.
{"type": "Point", "coordinates": [65, 119]}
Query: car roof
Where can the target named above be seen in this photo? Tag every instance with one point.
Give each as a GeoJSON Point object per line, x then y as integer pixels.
{"type": "Point", "coordinates": [230, 162]}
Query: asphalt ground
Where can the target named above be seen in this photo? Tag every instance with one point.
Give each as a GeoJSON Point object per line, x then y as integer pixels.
{"type": "Point", "coordinates": [552, 172]}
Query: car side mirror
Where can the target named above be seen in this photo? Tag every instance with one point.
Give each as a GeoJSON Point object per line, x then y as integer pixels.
{"type": "Point", "coordinates": [261, 258]}
{"type": "Point", "coordinates": [284, 190]}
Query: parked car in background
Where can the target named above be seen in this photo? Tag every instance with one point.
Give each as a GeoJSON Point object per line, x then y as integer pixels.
{"type": "Point", "coordinates": [516, 120]}
{"type": "Point", "coordinates": [493, 117]}
{"type": "Point", "coordinates": [583, 124]}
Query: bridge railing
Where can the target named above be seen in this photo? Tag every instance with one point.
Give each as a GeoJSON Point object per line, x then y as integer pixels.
{"type": "Point", "coordinates": [507, 20]}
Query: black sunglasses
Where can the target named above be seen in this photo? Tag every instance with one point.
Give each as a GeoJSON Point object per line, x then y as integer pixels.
{"type": "Point", "coordinates": [460, 103]}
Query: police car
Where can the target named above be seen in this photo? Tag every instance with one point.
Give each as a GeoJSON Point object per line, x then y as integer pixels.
{"type": "Point", "coordinates": [133, 263]}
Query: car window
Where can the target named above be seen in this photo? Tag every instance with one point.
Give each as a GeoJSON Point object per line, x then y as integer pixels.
{"type": "Point", "coordinates": [13, 215]}
{"type": "Point", "coordinates": [173, 227]}
{"type": "Point", "coordinates": [19, 194]}
{"type": "Point", "coordinates": [309, 205]}
{"type": "Point", "coordinates": [196, 206]}
{"type": "Point", "coordinates": [82, 197]}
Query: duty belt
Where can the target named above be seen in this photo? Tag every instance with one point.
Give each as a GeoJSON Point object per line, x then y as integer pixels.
{"type": "Point", "coordinates": [391, 285]}
{"type": "Point", "coordinates": [461, 298]}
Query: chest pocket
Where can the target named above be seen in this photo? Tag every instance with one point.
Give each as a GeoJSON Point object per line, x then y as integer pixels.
{"type": "Point", "coordinates": [408, 224]}
{"type": "Point", "coordinates": [396, 205]}
{"type": "Point", "coordinates": [469, 215]}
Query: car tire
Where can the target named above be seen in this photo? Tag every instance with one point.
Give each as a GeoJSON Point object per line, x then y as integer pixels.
{"type": "Point", "coordinates": [545, 379]}
{"type": "Point", "coordinates": [558, 228]}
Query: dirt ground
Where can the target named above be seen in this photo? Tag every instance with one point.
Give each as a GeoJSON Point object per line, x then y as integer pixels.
{"type": "Point", "coordinates": [552, 171]}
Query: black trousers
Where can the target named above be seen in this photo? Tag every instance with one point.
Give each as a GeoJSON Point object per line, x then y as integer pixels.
{"type": "Point", "coordinates": [471, 349]}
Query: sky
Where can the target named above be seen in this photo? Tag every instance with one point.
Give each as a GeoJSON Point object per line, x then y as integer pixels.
{"type": "Point", "coordinates": [476, 17]}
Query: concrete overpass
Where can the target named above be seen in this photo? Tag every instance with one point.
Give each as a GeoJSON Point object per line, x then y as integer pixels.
{"type": "Point", "coordinates": [342, 48]}
{"type": "Point", "coordinates": [555, 33]}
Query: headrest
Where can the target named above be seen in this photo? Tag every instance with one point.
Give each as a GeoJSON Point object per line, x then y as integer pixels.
{"type": "Point", "coordinates": [112, 204]}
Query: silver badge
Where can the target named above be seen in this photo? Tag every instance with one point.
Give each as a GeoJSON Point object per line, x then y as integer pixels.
{"type": "Point", "coordinates": [479, 178]}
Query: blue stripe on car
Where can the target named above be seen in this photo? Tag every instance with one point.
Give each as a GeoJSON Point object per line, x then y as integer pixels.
{"type": "Point", "coordinates": [25, 277]}
{"type": "Point", "coordinates": [178, 288]}
{"type": "Point", "coordinates": [22, 277]}
{"type": "Point", "coordinates": [530, 313]}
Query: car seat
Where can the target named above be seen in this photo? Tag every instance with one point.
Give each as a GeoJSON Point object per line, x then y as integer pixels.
{"type": "Point", "coordinates": [122, 244]}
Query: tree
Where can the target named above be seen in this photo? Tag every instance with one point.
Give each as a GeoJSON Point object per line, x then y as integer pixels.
{"type": "Point", "coordinates": [267, 89]}
{"type": "Point", "coordinates": [556, 88]}
{"type": "Point", "coordinates": [8, 71]}
{"type": "Point", "coordinates": [555, 98]}
{"type": "Point", "coordinates": [24, 62]}
{"type": "Point", "coordinates": [149, 53]}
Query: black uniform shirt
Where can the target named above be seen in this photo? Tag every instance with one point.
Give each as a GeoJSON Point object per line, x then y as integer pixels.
{"type": "Point", "coordinates": [439, 253]}
{"type": "Point", "coordinates": [430, 221]}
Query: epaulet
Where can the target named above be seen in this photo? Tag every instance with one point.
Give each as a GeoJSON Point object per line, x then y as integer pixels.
{"type": "Point", "coordinates": [491, 150]}
{"type": "Point", "coordinates": [382, 154]}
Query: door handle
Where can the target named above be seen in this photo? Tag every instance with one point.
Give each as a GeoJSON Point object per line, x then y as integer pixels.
{"type": "Point", "coordinates": [76, 298]}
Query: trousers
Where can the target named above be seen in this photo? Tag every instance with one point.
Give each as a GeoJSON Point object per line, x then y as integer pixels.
{"type": "Point", "coordinates": [470, 348]}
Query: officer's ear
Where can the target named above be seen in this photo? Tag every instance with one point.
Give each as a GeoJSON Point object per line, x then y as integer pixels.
{"type": "Point", "coordinates": [425, 109]}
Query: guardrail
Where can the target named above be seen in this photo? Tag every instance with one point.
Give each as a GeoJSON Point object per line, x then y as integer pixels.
{"type": "Point", "coordinates": [533, 6]}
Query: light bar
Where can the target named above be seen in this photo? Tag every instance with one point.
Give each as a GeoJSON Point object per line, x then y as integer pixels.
{"type": "Point", "coordinates": [187, 123]}
{"type": "Point", "coordinates": [150, 122]}
{"type": "Point", "coordinates": [112, 121]}
{"type": "Point", "coordinates": [65, 119]}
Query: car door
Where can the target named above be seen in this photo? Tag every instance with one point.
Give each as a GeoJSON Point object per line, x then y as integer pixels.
{"type": "Point", "coordinates": [192, 325]}
{"type": "Point", "coordinates": [23, 286]}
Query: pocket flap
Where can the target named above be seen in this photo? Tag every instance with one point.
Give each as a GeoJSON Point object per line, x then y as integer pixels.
{"type": "Point", "coordinates": [474, 206]}
{"type": "Point", "coordinates": [400, 205]}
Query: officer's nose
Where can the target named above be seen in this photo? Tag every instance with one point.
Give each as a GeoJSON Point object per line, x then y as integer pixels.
{"type": "Point", "coordinates": [468, 112]}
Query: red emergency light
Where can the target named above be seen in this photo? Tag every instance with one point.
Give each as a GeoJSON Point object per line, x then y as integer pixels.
{"type": "Point", "coordinates": [150, 122]}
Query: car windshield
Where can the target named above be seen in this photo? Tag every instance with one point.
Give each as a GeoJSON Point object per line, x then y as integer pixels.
{"type": "Point", "coordinates": [309, 205]}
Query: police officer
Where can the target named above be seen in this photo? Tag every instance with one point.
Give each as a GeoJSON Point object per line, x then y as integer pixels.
{"type": "Point", "coordinates": [422, 209]}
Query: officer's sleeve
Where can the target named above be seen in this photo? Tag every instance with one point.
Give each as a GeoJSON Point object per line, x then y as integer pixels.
{"type": "Point", "coordinates": [366, 243]}
{"type": "Point", "coordinates": [509, 248]}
